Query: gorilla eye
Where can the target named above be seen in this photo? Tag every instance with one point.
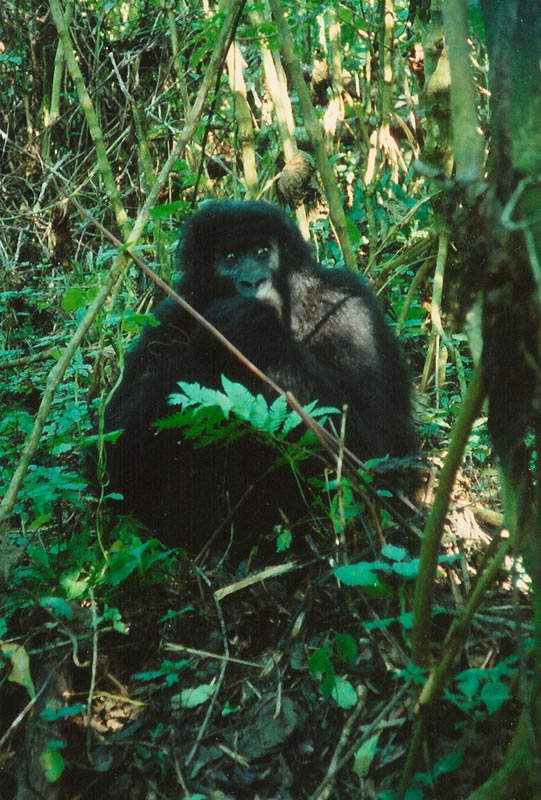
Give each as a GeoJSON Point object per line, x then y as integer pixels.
{"type": "Point", "coordinates": [231, 258]}
{"type": "Point", "coordinates": [263, 251]}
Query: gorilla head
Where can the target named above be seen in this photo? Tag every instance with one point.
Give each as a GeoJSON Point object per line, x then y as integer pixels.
{"type": "Point", "coordinates": [227, 244]}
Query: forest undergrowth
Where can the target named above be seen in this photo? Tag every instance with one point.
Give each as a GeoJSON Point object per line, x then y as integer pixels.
{"type": "Point", "coordinates": [387, 647]}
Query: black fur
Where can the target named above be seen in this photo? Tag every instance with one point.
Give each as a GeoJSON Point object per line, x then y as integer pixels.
{"type": "Point", "coordinates": [317, 333]}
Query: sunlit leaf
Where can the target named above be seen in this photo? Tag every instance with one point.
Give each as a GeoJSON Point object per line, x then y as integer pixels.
{"type": "Point", "coordinates": [20, 666]}
{"type": "Point", "coordinates": [53, 764]}
{"type": "Point", "coordinates": [365, 755]}
{"type": "Point", "coordinates": [189, 698]}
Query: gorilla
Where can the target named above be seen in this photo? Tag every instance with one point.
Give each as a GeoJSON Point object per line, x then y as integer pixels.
{"type": "Point", "coordinates": [317, 333]}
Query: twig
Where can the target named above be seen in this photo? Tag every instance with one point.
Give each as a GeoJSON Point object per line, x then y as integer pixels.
{"type": "Point", "coordinates": [26, 710]}
{"type": "Point", "coordinates": [192, 651]}
{"type": "Point", "coordinates": [219, 682]}
{"type": "Point", "coordinates": [93, 673]}
{"type": "Point", "coordinates": [325, 788]}
{"type": "Point", "coordinates": [454, 640]}
{"type": "Point", "coordinates": [265, 574]}
{"type": "Point", "coordinates": [24, 360]}
{"type": "Point", "coordinates": [430, 546]}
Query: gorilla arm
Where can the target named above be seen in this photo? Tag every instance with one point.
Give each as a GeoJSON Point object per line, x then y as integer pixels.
{"type": "Point", "coordinates": [339, 321]}
{"type": "Point", "coordinates": [143, 466]}
{"type": "Point", "coordinates": [151, 370]}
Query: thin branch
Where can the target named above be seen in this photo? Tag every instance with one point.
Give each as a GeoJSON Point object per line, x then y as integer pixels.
{"type": "Point", "coordinates": [430, 547]}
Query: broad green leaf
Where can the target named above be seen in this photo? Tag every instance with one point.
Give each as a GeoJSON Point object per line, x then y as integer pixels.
{"type": "Point", "coordinates": [77, 297]}
{"type": "Point", "coordinates": [407, 569]}
{"type": "Point", "coordinates": [346, 648]}
{"type": "Point", "coordinates": [469, 684]}
{"type": "Point", "coordinates": [53, 764]}
{"type": "Point", "coordinates": [20, 666]}
{"type": "Point", "coordinates": [57, 606]}
{"type": "Point", "coordinates": [189, 698]}
{"type": "Point", "coordinates": [73, 585]}
{"type": "Point", "coordinates": [51, 714]}
{"type": "Point", "coordinates": [494, 694]}
{"type": "Point", "coordinates": [132, 320]}
{"type": "Point", "coordinates": [406, 620]}
{"type": "Point", "coordinates": [365, 755]}
{"type": "Point", "coordinates": [363, 574]}
{"type": "Point", "coordinates": [448, 763]}
{"type": "Point", "coordinates": [320, 664]}
{"type": "Point", "coordinates": [166, 210]}
{"type": "Point", "coordinates": [283, 542]}
{"type": "Point", "coordinates": [378, 624]}
{"type": "Point", "coordinates": [344, 693]}
{"type": "Point", "coordinates": [394, 553]}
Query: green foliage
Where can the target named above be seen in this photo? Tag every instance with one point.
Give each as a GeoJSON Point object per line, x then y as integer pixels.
{"type": "Point", "coordinates": [77, 297]}
{"type": "Point", "coordinates": [126, 558]}
{"type": "Point", "coordinates": [131, 321]}
{"type": "Point", "coordinates": [57, 607]}
{"type": "Point", "coordinates": [345, 505]}
{"type": "Point", "coordinates": [53, 714]}
{"type": "Point", "coordinates": [208, 415]}
{"type": "Point", "coordinates": [284, 539]}
{"type": "Point", "coordinates": [168, 673]}
{"type": "Point", "coordinates": [478, 694]}
{"type": "Point", "coordinates": [425, 785]}
{"type": "Point", "coordinates": [43, 487]}
{"type": "Point", "coordinates": [482, 692]}
{"type": "Point", "coordinates": [365, 755]}
{"type": "Point", "coordinates": [69, 562]}
{"type": "Point", "coordinates": [52, 762]}
{"type": "Point", "coordinates": [54, 576]}
{"type": "Point", "coordinates": [178, 208]}
{"type": "Point", "coordinates": [193, 697]}
{"type": "Point", "coordinates": [321, 666]}
{"type": "Point", "coordinates": [369, 574]}
{"type": "Point", "coordinates": [395, 561]}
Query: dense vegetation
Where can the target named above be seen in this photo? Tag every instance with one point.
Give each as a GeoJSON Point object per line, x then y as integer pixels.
{"type": "Point", "coordinates": [398, 655]}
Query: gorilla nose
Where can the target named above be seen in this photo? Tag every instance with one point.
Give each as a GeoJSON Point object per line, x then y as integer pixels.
{"type": "Point", "coordinates": [252, 286]}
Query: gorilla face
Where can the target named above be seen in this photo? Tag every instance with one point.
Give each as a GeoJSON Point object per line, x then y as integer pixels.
{"type": "Point", "coordinates": [250, 266]}
{"type": "Point", "coordinates": [249, 269]}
